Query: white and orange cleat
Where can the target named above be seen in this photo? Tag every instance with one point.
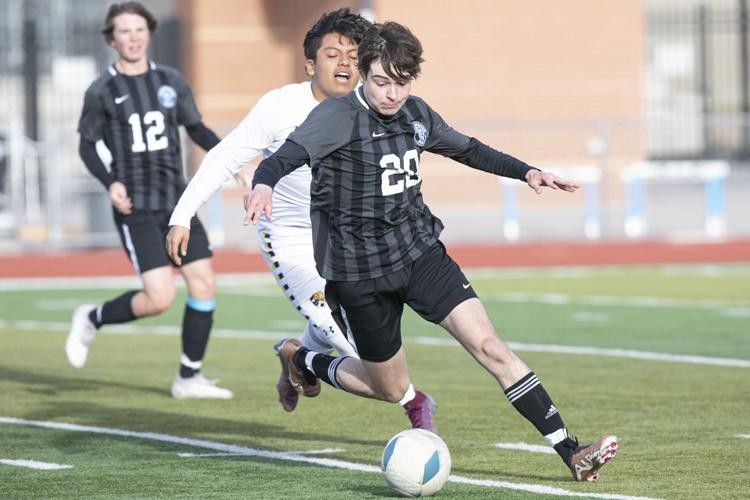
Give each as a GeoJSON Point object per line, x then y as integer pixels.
{"type": "Point", "coordinates": [587, 460]}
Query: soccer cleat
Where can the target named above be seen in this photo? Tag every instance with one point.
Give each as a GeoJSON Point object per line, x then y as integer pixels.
{"type": "Point", "coordinates": [82, 333]}
{"type": "Point", "coordinates": [420, 411]}
{"type": "Point", "coordinates": [586, 461]}
{"type": "Point", "coordinates": [198, 387]}
{"type": "Point", "coordinates": [286, 350]}
{"type": "Point", "coordinates": [288, 395]}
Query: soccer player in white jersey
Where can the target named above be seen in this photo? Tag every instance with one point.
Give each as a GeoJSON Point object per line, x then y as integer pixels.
{"type": "Point", "coordinates": [330, 48]}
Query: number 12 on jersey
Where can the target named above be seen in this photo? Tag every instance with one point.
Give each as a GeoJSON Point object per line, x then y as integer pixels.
{"type": "Point", "coordinates": [154, 122]}
{"type": "Point", "coordinates": [398, 176]}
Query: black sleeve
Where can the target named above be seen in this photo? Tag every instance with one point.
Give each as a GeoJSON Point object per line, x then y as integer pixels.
{"type": "Point", "coordinates": [202, 135]}
{"type": "Point", "coordinates": [482, 157]}
{"type": "Point", "coordinates": [87, 151]}
{"type": "Point", "coordinates": [93, 117]}
{"type": "Point", "coordinates": [289, 157]}
{"type": "Point", "coordinates": [187, 111]}
{"type": "Point", "coordinates": [328, 127]}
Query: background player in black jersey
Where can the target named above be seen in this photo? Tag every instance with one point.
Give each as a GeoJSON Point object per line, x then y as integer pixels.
{"type": "Point", "coordinates": [135, 109]}
{"type": "Point", "coordinates": [377, 244]}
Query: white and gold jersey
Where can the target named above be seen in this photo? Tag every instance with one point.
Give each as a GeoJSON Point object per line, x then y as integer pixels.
{"type": "Point", "coordinates": [261, 132]}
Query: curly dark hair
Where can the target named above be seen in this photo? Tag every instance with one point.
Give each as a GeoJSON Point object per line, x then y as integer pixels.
{"type": "Point", "coordinates": [341, 21]}
{"type": "Point", "coordinates": [399, 51]}
{"type": "Point", "coordinates": [131, 8]}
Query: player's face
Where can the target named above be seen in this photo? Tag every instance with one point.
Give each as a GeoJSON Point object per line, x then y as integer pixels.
{"type": "Point", "coordinates": [384, 94]}
{"type": "Point", "coordinates": [334, 70]}
{"type": "Point", "coordinates": [130, 37]}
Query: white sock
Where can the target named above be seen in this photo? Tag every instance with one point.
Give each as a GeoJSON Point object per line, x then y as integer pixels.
{"type": "Point", "coordinates": [308, 360]}
{"type": "Point", "coordinates": [556, 436]}
{"type": "Point", "coordinates": [410, 394]}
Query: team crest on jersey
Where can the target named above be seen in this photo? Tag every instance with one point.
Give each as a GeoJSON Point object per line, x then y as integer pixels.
{"type": "Point", "coordinates": [167, 96]}
{"type": "Point", "coordinates": [420, 133]}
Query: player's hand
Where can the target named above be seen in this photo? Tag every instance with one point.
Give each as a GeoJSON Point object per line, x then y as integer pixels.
{"type": "Point", "coordinates": [257, 202]}
{"type": "Point", "coordinates": [118, 195]}
{"type": "Point", "coordinates": [177, 243]}
{"type": "Point", "coordinates": [536, 179]}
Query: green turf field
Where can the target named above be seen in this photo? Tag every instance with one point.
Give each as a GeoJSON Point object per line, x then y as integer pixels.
{"type": "Point", "coordinates": [669, 373]}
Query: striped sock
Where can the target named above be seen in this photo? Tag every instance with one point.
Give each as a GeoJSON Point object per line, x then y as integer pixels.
{"type": "Point", "coordinates": [532, 401]}
{"type": "Point", "coordinates": [318, 365]}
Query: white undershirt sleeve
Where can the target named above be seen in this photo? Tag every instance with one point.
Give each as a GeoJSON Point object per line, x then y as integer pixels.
{"type": "Point", "coordinates": [220, 164]}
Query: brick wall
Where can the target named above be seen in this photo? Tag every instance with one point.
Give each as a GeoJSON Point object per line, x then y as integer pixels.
{"type": "Point", "coordinates": [533, 78]}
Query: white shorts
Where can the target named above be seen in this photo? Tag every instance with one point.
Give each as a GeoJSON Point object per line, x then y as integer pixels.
{"type": "Point", "coordinates": [288, 253]}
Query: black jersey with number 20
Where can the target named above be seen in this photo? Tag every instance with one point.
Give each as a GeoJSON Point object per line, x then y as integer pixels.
{"type": "Point", "coordinates": [367, 211]}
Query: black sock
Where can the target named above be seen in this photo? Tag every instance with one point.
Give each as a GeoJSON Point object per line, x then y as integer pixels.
{"type": "Point", "coordinates": [566, 448]}
{"type": "Point", "coordinates": [325, 366]}
{"type": "Point", "coordinates": [532, 401]}
{"type": "Point", "coordinates": [196, 328]}
{"type": "Point", "coordinates": [321, 364]}
{"type": "Point", "coordinates": [117, 310]}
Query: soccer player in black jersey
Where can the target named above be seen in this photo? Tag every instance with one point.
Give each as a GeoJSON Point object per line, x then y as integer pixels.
{"type": "Point", "coordinates": [377, 244]}
{"type": "Point", "coordinates": [135, 110]}
{"type": "Point", "coordinates": [330, 50]}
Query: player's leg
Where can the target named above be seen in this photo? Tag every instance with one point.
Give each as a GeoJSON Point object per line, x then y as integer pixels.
{"type": "Point", "coordinates": [140, 236]}
{"type": "Point", "coordinates": [288, 253]}
{"type": "Point", "coordinates": [443, 286]}
{"type": "Point", "coordinates": [469, 324]}
{"type": "Point", "coordinates": [197, 320]}
{"type": "Point", "coordinates": [321, 334]}
{"type": "Point", "coordinates": [289, 256]}
{"type": "Point", "coordinates": [371, 311]}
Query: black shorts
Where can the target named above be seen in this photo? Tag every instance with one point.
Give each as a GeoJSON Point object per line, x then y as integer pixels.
{"type": "Point", "coordinates": [143, 234]}
{"type": "Point", "coordinates": [370, 310]}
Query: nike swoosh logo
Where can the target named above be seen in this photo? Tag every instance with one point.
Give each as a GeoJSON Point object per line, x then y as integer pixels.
{"type": "Point", "coordinates": [376, 134]}
{"type": "Point", "coordinates": [466, 286]}
{"type": "Point", "coordinates": [121, 99]}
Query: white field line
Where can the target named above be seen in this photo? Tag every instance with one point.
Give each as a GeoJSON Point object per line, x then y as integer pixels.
{"type": "Point", "coordinates": [533, 448]}
{"type": "Point", "coordinates": [576, 272]}
{"type": "Point", "coordinates": [324, 451]}
{"type": "Point", "coordinates": [209, 455]}
{"type": "Point", "coordinates": [590, 317]}
{"type": "Point", "coordinates": [743, 436]}
{"type": "Point", "coordinates": [561, 299]}
{"type": "Point", "coordinates": [131, 329]}
{"type": "Point", "coordinates": [113, 282]}
{"type": "Point", "coordinates": [600, 351]}
{"type": "Point", "coordinates": [33, 464]}
{"type": "Point", "coordinates": [269, 288]}
{"type": "Point", "coordinates": [737, 312]}
{"type": "Point", "coordinates": [296, 457]}
{"type": "Point", "coordinates": [263, 277]}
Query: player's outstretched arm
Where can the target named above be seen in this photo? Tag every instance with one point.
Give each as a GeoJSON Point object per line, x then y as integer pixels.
{"type": "Point", "coordinates": [177, 243]}
{"type": "Point", "coordinates": [285, 160]}
{"type": "Point", "coordinates": [536, 179]}
{"type": "Point", "coordinates": [257, 202]}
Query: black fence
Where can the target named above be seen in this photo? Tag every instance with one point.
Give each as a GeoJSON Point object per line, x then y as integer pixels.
{"type": "Point", "coordinates": [51, 51]}
{"type": "Point", "coordinates": [696, 81]}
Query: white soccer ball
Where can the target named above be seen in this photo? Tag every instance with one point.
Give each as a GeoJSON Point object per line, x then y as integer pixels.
{"type": "Point", "coordinates": [416, 463]}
